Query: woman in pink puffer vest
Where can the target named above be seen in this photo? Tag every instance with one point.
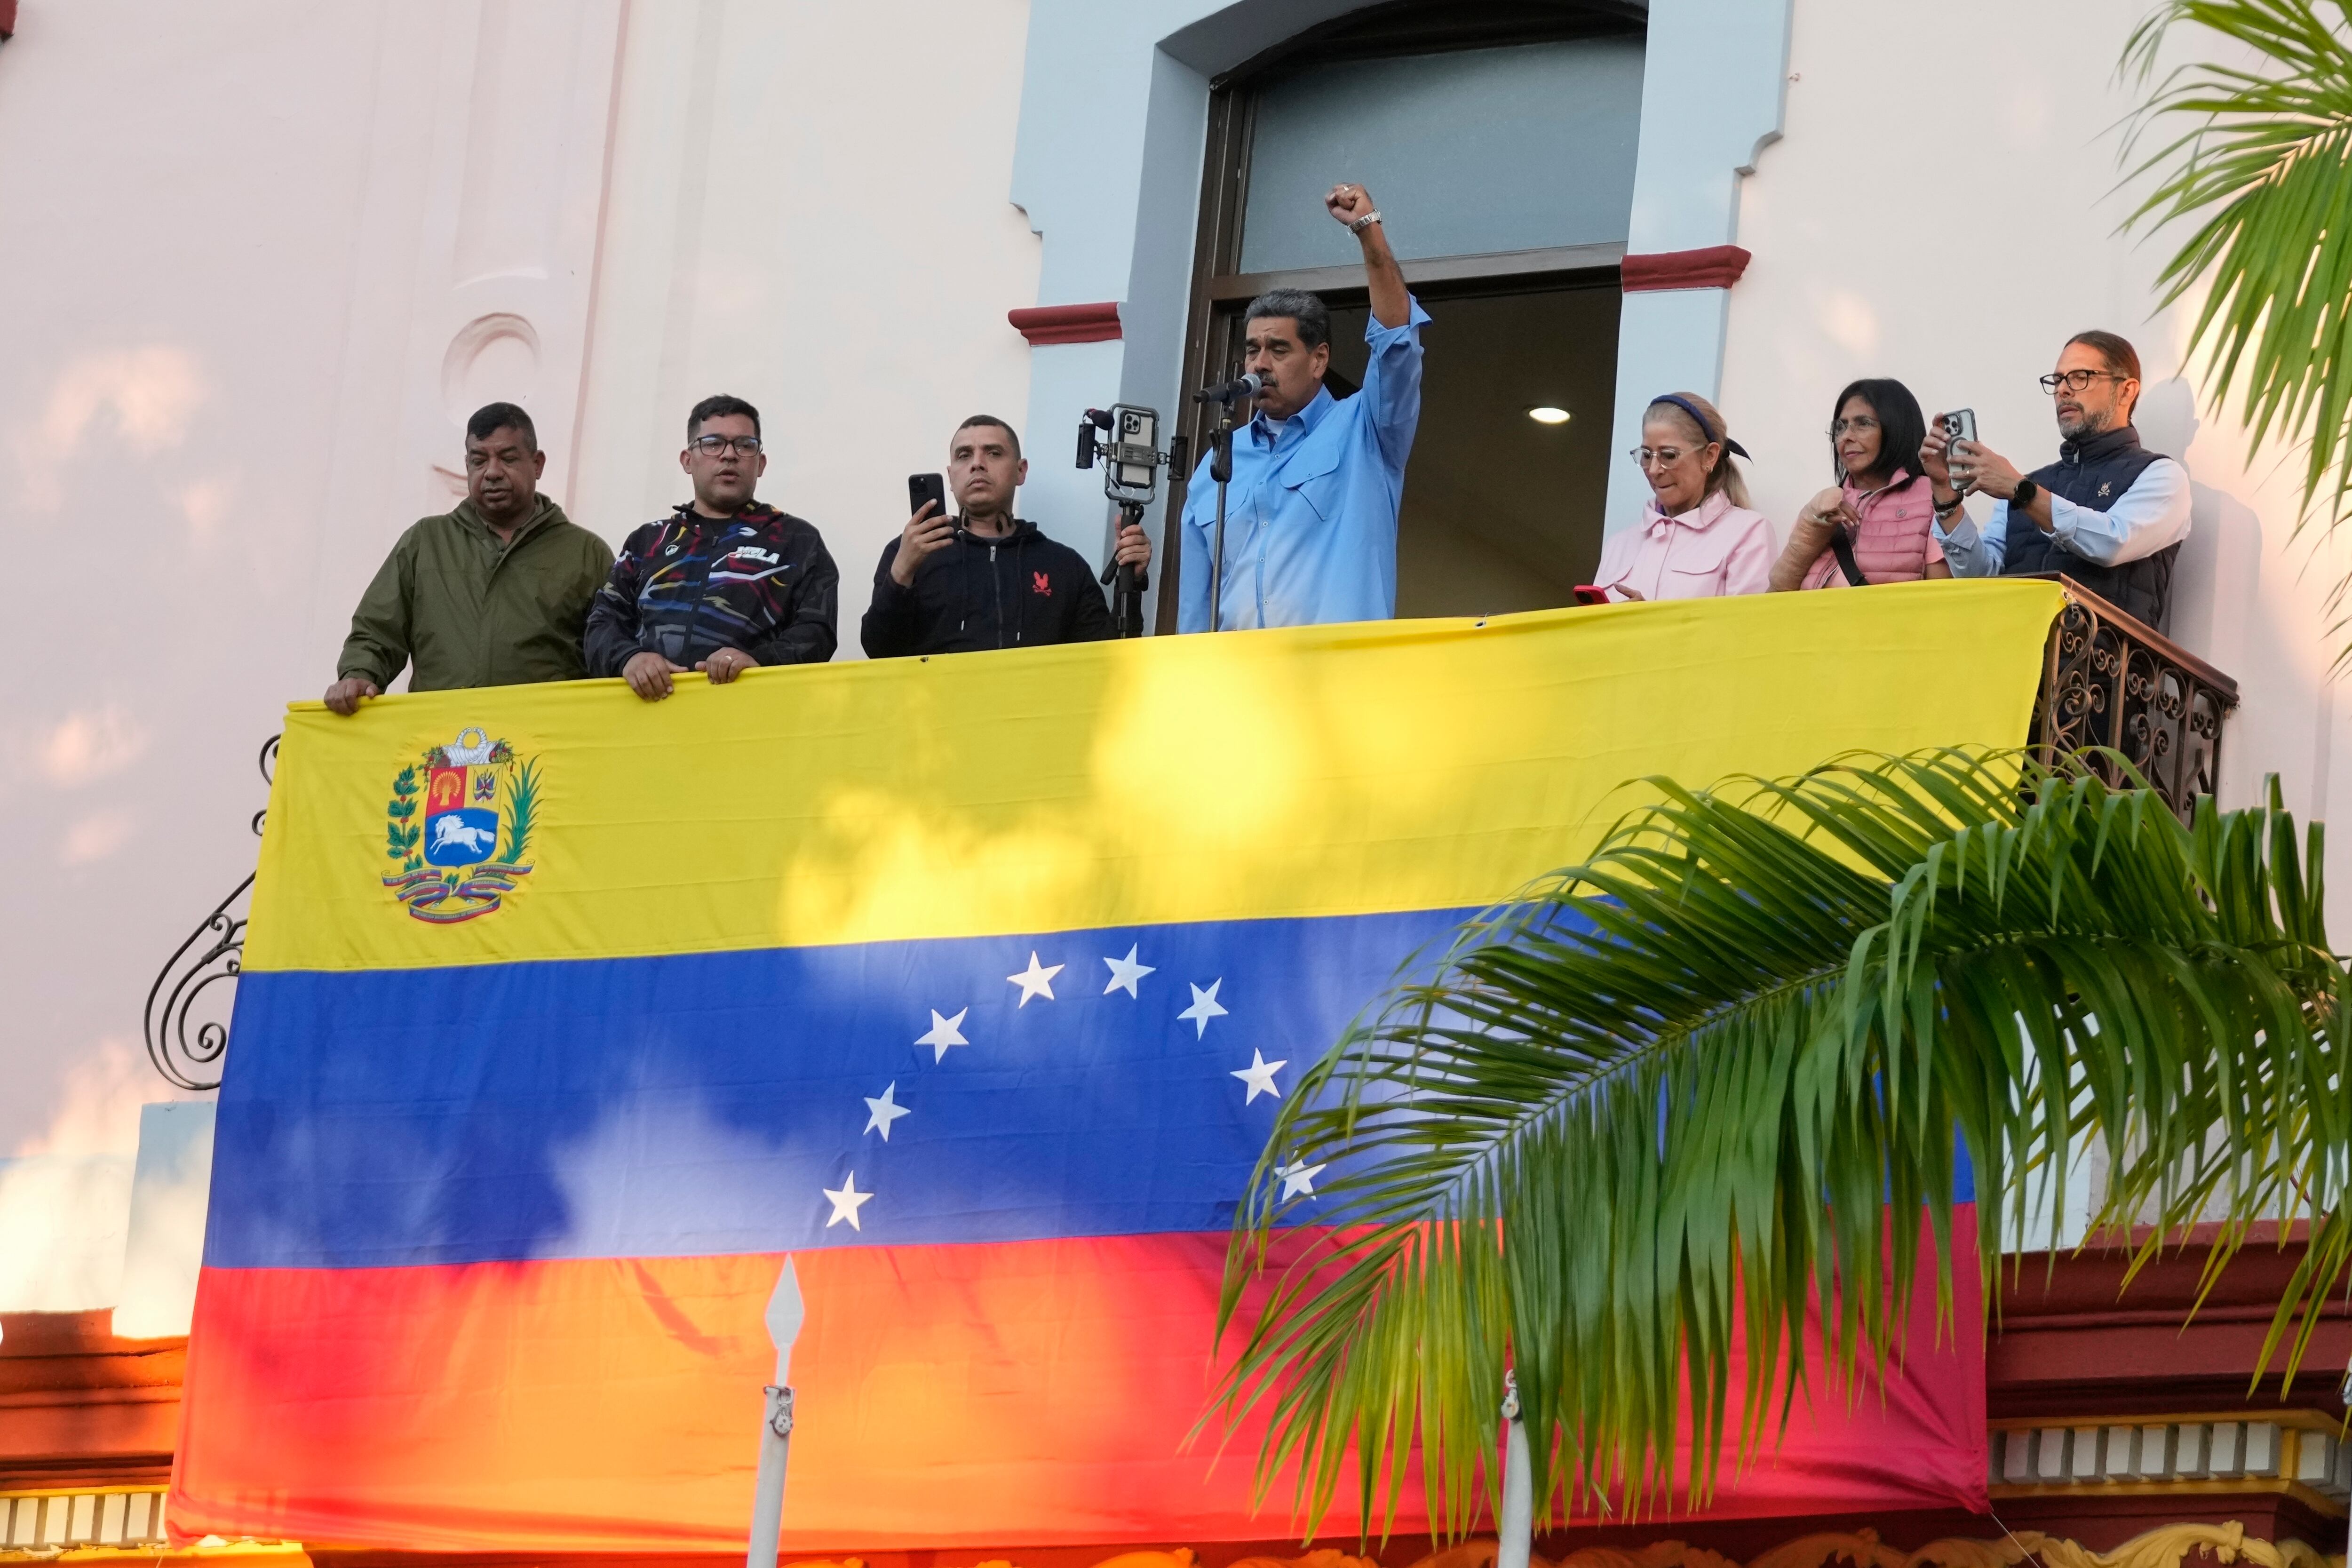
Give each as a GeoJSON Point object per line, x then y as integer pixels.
{"type": "Point", "coordinates": [1880, 510]}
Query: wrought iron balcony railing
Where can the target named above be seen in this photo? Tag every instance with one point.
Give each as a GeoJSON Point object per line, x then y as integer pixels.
{"type": "Point", "coordinates": [187, 1022]}
{"type": "Point", "coordinates": [2110, 680]}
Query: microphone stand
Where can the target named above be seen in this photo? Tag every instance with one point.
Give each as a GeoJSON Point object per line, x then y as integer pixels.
{"type": "Point", "coordinates": [1221, 468]}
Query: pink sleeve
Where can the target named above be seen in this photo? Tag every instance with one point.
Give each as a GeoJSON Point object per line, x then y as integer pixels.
{"type": "Point", "coordinates": [1747, 568]}
{"type": "Point", "coordinates": [1934, 548]}
{"type": "Point", "coordinates": [1617, 556]}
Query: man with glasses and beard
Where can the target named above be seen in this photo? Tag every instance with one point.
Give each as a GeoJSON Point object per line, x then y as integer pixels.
{"type": "Point", "coordinates": [2109, 513]}
{"type": "Point", "coordinates": [723, 583]}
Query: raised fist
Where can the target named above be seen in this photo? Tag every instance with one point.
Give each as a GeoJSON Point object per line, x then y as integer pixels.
{"type": "Point", "coordinates": [1348, 203]}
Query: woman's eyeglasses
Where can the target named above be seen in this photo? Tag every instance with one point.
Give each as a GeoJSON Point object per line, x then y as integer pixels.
{"type": "Point", "coordinates": [1663, 456]}
{"type": "Point", "coordinates": [1861, 425]}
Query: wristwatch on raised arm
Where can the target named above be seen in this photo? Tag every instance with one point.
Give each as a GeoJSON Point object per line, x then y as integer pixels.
{"type": "Point", "coordinates": [2026, 490]}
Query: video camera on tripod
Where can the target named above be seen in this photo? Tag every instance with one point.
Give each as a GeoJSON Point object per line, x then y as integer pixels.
{"type": "Point", "coordinates": [1126, 436]}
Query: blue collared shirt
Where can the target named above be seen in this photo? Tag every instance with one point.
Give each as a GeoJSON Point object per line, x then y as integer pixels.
{"type": "Point", "coordinates": [1311, 514]}
{"type": "Point", "coordinates": [2151, 513]}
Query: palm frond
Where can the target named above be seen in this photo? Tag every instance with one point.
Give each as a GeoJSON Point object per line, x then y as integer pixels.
{"type": "Point", "coordinates": [2263, 169]}
{"type": "Point", "coordinates": [1725, 1069]}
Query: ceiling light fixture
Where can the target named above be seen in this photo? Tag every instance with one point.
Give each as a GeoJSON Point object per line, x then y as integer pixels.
{"type": "Point", "coordinates": [1545, 414]}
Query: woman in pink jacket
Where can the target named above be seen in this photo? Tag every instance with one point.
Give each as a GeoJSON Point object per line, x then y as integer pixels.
{"type": "Point", "coordinates": [1871, 525]}
{"type": "Point", "coordinates": [1697, 538]}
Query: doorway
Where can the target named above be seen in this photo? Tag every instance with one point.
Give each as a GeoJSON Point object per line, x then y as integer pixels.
{"type": "Point", "coordinates": [1503, 137]}
{"type": "Point", "coordinates": [1502, 509]}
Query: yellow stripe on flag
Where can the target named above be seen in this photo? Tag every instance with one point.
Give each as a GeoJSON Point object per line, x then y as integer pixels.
{"type": "Point", "coordinates": [1315, 771]}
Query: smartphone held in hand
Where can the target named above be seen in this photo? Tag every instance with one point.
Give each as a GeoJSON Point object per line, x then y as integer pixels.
{"type": "Point", "coordinates": [1958, 426]}
{"type": "Point", "coordinates": [923, 488]}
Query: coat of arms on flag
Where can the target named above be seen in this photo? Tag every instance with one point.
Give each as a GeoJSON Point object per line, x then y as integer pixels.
{"type": "Point", "coordinates": [478, 807]}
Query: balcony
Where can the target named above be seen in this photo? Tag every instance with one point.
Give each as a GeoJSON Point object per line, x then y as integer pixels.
{"type": "Point", "coordinates": [2109, 679]}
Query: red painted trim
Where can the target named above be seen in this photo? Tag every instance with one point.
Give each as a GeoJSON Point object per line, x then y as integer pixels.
{"type": "Point", "coordinates": [1717, 267]}
{"type": "Point", "coordinates": [1059, 323]}
{"type": "Point", "coordinates": [7, 18]}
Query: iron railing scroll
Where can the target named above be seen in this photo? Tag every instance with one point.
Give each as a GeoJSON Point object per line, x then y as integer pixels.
{"type": "Point", "coordinates": [2110, 680]}
{"type": "Point", "coordinates": [187, 1022]}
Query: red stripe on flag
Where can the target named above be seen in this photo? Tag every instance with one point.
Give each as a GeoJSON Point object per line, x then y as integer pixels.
{"type": "Point", "coordinates": [1032, 1394]}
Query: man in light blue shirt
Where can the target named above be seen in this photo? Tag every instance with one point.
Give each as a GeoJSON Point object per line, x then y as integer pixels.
{"type": "Point", "coordinates": [1311, 512]}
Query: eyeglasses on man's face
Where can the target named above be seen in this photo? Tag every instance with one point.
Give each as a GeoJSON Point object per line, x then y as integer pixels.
{"type": "Point", "coordinates": [1662, 457]}
{"type": "Point", "coordinates": [712, 445]}
{"type": "Point", "coordinates": [2077, 381]}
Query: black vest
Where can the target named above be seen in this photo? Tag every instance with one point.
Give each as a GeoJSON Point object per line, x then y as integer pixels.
{"type": "Point", "coordinates": [2093, 472]}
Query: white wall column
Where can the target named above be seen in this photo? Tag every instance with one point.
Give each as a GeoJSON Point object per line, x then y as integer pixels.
{"type": "Point", "coordinates": [1713, 85]}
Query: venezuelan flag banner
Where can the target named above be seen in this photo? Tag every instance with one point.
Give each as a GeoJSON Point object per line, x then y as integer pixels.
{"type": "Point", "coordinates": [972, 983]}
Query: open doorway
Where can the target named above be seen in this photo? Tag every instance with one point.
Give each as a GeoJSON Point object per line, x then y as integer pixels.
{"type": "Point", "coordinates": [1502, 509]}
{"type": "Point", "coordinates": [1503, 137]}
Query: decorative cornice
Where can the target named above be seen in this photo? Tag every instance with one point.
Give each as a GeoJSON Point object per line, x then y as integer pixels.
{"type": "Point", "coordinates": [2296, 1453]}
{"type": "Point", "coordinates": [2166, 1546]}
{"type": "Point", "coordinates": [2163, 1547]}
{"type": "Point", "coordinates": [1066, 324]}
{"type": "Point", "coordinates": [1714, 267]}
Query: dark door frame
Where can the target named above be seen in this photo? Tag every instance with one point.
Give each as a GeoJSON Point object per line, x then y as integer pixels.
{"type": "Point", "coordinates": [1221, 292]}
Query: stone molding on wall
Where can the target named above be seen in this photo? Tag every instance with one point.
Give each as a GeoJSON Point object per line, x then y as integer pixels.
{"type": "Point", "coordinates": [2167, 1546]}
{"type": "Point", "coordinates": [2299, 1453]}
{"type": "Point", "coordinates": [1095, 324]}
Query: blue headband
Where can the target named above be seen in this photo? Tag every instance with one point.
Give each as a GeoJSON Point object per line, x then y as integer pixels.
{"type": "Point", "coordinates": [1731, 445]}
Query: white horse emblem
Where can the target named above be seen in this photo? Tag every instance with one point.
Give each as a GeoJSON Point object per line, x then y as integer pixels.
{"type": "Point", "coordinates": [454, 829]}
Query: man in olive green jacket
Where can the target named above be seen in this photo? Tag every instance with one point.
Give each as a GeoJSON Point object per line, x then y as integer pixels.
{"type": "Point", "coordinates": [493, 593]}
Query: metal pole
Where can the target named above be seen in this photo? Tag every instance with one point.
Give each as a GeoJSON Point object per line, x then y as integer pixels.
{"type": "Point", "coordinates": [784, 1315]}
{"type": "Point", "coordinates": [1221, 468]}
{"type": "Point", "coordinates": [1514, 1540]}
{"type": "Point", "coordinates": [768, 1492]}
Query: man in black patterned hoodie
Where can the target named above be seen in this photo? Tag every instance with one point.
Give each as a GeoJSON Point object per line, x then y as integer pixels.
{"type": "Point", "coordinates": [723, 585]}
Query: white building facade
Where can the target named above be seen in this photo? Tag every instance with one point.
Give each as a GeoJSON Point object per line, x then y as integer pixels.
{"type": "Point", "coordinates": [260, 260]}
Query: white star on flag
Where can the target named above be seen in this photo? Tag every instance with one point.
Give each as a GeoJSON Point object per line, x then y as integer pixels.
{"type": "Point", "coordinates": [883, 1111]}
{"type": "Point", "coordinates": [1259, 1075]}
{"type": "Point", "coordinates": [847, 1202]}
{"type": "Point", "coordinates": [1125, 973]}
{"type": "Point", "coordinates": [1036, 981]}
{"type": "Point", "coordinates": [1203, 1008]}
{"type": "Point", "coordinates": [1298, 1177]}
{"type": "Point", "coordinates": [945, 1032]}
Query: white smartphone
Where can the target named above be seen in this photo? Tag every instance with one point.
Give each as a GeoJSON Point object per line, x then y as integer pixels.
{"type": "Point", "coordinates": [1960, 425]}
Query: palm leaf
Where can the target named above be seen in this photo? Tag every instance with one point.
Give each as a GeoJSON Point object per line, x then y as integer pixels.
{"type": "Point", "coordinates": [1716, 1073]}
{"type": "Point", "coordinates": [2261, 169]}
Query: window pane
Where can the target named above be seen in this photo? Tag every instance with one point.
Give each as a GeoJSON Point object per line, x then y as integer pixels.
{"type": "Point", "coordinates": [1467, 153]}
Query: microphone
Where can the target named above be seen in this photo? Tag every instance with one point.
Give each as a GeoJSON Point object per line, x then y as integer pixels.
{"type": "Point", "coordinates": [1230, 391]}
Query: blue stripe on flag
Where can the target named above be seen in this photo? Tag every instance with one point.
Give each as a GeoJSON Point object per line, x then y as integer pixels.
{"type": "Point", "coordinates": [736, 1102]}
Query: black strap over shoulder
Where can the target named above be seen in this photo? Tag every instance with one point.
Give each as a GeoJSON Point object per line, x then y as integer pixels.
{"type": "Point", "coordinates": [1843, 547]}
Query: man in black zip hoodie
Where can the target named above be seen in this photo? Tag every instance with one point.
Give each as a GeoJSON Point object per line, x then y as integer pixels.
{"type": "Point", "coordinates": [985, 578]}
